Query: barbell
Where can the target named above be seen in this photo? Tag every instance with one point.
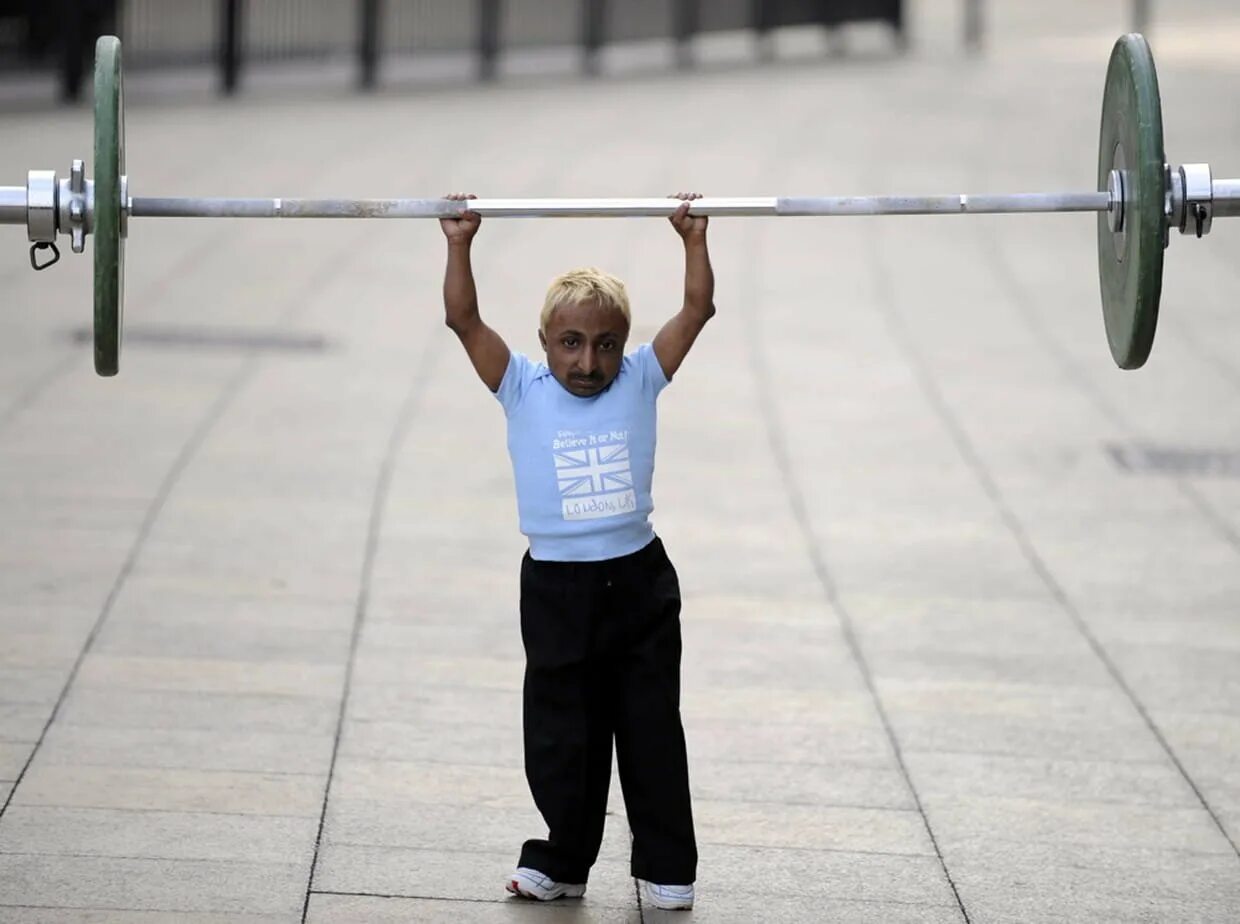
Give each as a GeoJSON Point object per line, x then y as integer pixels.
{"type": "Point", "coordinates": [1139, 199]}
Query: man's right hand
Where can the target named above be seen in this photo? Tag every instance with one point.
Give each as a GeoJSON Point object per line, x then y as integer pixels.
{"type": "Point", "coordinates": [461, 230]}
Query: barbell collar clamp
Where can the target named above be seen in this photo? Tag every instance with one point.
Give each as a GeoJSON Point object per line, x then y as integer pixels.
{"type": "Point", "coordinates": [1192, 199]}
{"type": "Point", "coordinates": [76, 206]}
{"type": "Point", "coordinates": [41, 195]}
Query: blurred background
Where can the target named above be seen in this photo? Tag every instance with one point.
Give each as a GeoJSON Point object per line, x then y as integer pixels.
{"type": "Point", "coordinates": [437, 36]}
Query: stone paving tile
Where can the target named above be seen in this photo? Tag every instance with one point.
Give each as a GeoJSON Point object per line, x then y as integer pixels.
{"type": "Point", "coordinates": [1181, 890]}
{"type": "Point", "coordinates": [432, 783]}
{"type": "Point", "coordinates": [833, 739]}
{"type": "Point", "coordinates": [1181, 677]}
{"type": "Point", "coordinates": [255, 839]}
{"type": "Point", "coordinates": [706, 609]}
{"type": "Point", "coordinates": [326, 908]}
{"type": "Point", "coordinates": [450, 874]}
{"type": "Point", "coordinates": [968, 821]}
{"type": "Point", "coordinates": [430, 740]}
{"type": "Point", "coordinates": [1092, 723]}
{"type": "Point", "coordinates": [198, 583]}
{"type": "Point", "coordinates": [481, 808]}
{"type": "Point", "coordinates": [805, 671]}
{"type": "Point", "coordinates": [150, 603]}
{"type": "Point", "coordinates": [1072, 665]}
{"type": "Point", "coordinates": [414, 703]}
{"type": "Point", "coordinates": [840, 783]}
{"type": "Point", "coordinates": [169, 886]}
{"type": "Point", "coordinates": [820, 875]}
{"type": "Point", "coordinates": [31, 686]}
{"type": "Point", "coordinates": [414, 638]}
{"type": "Point", "coordinates": [985, 628]}
{"type": "Point", "coordinates": [173, 748]}
{"type": "Point", "coordinates": [942, 776]}
{"type": "Point", "coordinates": [482, 672]}
{"type": "Point", "coordinates": [211, 675]}
{"type": "Point", "coordinates": [249, 637]}
{"type": "Point", "coordinates": [13, 756]}
{"type": "Point", "coordinates": [1186, 627]}
{"type": "Point", "coordinates": [23, 721]}
{"type": "Point", "coordinates": [170, 790]}
{"type": "Point", "coordinates": [100, 707]}
{"type": "Point", "coordinates": [42, 650]}
{"type": "Point", "coordinates": [372, 821]}
{"type": "Point", "coordinates": [811, 827]}
{"type": "Point", "coordinates": [48, 619]}
{"type": "Point", "coordinates": [777, 705]}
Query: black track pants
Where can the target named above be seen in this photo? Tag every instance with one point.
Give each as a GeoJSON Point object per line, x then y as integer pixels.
{"type": "Point", "coordinates": [602, 648]}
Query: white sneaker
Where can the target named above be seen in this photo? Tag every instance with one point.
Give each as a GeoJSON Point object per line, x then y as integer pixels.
{"type": "Point", "coordinates": [667, 897]}
{"type": "Point", "coordinates": [530, 883]}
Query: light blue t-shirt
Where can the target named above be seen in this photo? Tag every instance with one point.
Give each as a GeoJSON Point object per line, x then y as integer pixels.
{"type": "Point", "coordinates": [583, 466]}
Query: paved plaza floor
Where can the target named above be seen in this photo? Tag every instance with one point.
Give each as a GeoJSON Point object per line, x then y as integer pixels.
{"type": "Point", "coordinates": [962, 600]}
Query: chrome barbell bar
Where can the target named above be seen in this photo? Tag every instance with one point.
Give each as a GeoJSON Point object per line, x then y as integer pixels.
{"type": "Point", "coordinates": [36, 203]}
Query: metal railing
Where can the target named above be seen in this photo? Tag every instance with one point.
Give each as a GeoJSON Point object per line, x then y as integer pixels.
{"type": "Point", "coordinates": [229, 34]}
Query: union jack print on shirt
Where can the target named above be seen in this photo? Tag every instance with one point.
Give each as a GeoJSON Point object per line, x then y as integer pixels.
{"type": "Point", "coordinates": [594, 470]}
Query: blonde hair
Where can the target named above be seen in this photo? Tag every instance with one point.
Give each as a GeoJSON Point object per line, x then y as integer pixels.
{"type": "Point", "coordinates": [585, 285]}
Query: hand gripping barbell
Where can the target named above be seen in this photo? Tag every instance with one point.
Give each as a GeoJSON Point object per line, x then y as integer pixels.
{"type": "Point", "coordinates": [1138, 200]}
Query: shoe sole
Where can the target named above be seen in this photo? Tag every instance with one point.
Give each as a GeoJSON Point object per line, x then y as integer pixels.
{"type": "Point", "coordinates": [514, 887]}
{"type": "Point", "coordinates": [663, 904]}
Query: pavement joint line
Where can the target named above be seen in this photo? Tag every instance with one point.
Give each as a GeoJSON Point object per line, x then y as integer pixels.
{"type": "Point", "coordinates": [443, 898]}
{"type": "Point", "coordinates": [1015, 755]}
{"type": "Point", "coordinates": [275, 916]}
{"type": "Point", "coordinates": [432, 349]}
{"type": "Point", "coordinates": [412, 848]}
{"type": "Point", "coordinates": [226, 861]}
{"type": "Point", "coordinates": [188, 768]}
{"type": "Point", "coordinates": [637, 892]}
{"type": "Point", "coordinates": [801, 803]}
{"type": "Point", "coordinates": [793, 848]}
{"type": "Point", "coordinates": [247, 366]}
{"type": "Point", "coordinates": [787, 848]}
{"type": "Point", "coordinates": [210, 692]}
{"type": "Point", "coordinates": [144, 768]}
{"type": "Point", "coordinates": [973, 461]}
{"type": "Point", "coordinates": [777, 445]}
{"type": "Point", "coordinates": [1118, 845]}
{"type": "Point", "coordinates": [70, 807]}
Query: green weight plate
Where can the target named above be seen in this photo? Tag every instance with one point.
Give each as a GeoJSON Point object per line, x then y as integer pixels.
{"type": "Point", "coordinates": [108, 229]}
{"type": "Point", "coordinates": [1130, 262]}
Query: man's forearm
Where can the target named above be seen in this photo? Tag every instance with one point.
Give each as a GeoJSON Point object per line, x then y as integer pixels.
{"type": "Point", "coordinates": [699, 279]}
{"type": "Point", "coordinates": [460, 296]}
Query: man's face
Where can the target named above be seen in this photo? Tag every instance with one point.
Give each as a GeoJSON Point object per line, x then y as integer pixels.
{"type": "Point", "coordinates": [584, 345]}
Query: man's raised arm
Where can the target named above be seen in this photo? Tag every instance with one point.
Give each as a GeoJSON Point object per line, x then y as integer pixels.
{"type": "Point", "coordinates": [672, 343]}
{"type": "Point", "coordinates": [487, 350]}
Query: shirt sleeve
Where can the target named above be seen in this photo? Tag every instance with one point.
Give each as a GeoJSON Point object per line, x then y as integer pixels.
{"type": "Point", "coordinates": [649, 372]}
{"type": "Point", "coordinates": [516, 381]}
